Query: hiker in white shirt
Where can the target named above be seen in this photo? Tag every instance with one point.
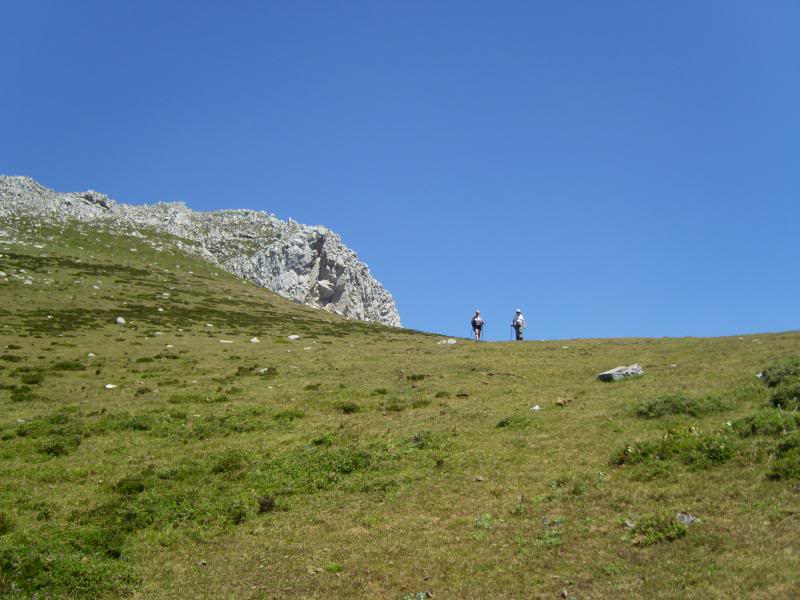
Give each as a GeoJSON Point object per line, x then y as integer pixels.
{"type": "Point", "coordinates": [518, 323]}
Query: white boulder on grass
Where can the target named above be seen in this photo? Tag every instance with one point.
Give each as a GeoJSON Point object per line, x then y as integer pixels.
{"type": "Point", "coordinates": [293, 337]}
{"type": "Point", "coordinates": [621, 373]}
{"type": "Point", "coordinates": [254, 340]}
{"type": "Point", "coordinates": [110, 386]}
{"type": "Point", "coordinates": [120, 321]}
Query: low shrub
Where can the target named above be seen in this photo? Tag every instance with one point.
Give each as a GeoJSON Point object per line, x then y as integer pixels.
{"type": "Point", "coordinates": [266, 504]}
{"type": "Point", "coordinates": [186, 398]}
{"type": "Point", "coordinates": [229, 463]}
{"type": "Point", "coordinates": [656, 528]}
{"type": "Point", "coordinates": [781, 370]}
{"type": "Point", "coordinates": [787, 395]}
{"type": "Point", "coordinates": [288, 415]}
{"type": "Point", "coordinates": [34, 378]}
{"type": "Point", "coordinates": [513, 422]}
{"type": "Point", "coordinates": [6, 524]}
{"type": "Point", "coordinates": [678, 404]}
{"type": "Point", "coordinates": [23, 393]}
{"type": "Point", "coordinates": [68, 365]}
{"type": "Point", "coordinates": [786, 459]}
{"type": "Point", "coordinates": [688, 445]}
{"type": "Point", "coordinates": [766, 422]}
{"type": "Point", "coordinates": [347, 407]}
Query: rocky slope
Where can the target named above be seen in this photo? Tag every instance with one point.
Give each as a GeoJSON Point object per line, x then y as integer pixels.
{"type": "Point", "coordinates": [306, 264]}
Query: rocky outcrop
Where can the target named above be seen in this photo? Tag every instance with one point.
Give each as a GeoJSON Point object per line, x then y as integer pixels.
{"type": "Point", "coordinates": [308, 264]}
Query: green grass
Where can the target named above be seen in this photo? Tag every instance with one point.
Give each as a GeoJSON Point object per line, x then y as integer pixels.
{"type": "Point", "coordinates": [377, 464]}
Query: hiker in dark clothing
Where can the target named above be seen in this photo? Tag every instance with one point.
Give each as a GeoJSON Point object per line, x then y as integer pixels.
{"type": "Point", "coordinates": [477, 325]}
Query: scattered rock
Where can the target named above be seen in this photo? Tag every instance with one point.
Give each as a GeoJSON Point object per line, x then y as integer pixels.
{"type": "Point", "coordinates": [536, 407]}
{"type": "Point", "coordinates": [226, 341]}
{"type": "Point", "coordinates": [563, 401]}
{"type": "Point", "coordinates": [120, 321]}
{"type": "Point", "coordinates": [293, 337]}
{"type": "Point", "coordinates": [479, 478]}
{"type": "Point", "coordinates": [686, 518]}
{"type": "Point", "coordinates": [202, 563]}
{"type": "Point", "coordinates": [255, 340]}
{"type": "Point", "coordinates": [91, 355]}
{"type": "Point", "coordinates": [110, 386]}
{"type": "Point", "coordinates": [628, 524]}
{"type": "Point", "coordinates": [621, 373]}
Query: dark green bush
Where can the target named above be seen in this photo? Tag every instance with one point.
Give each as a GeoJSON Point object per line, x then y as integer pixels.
{"type": "Point", "coordinates": [6, 524]}
{"type": "Point", "coordinates": [186, 398]}
{"type": "Point", "coordinates": [34, 378]}
{"type": "Point", "coordinates": [687, 445]}
{"type": "Point", "coordinates": [767, 422]}
{"type": "Point", "coordinates": [678, 404]}
{"type": "Point", "coordinates": [23, 394]}
{"type": "Point", "coordinates": [68, 365]}
{"type": "Point", "coordinates": [781, 370]}
{"type": "Point", "coordinates": [288, 415]}
{"type": "Point", "coordinates": [786, 458]}
{"type": "Point", "coordinates": [347, 407]}
{"type": "Point", "coordinates": [787, 395]}
{"type": "Point", "coordinates": [237, 511]}
{"type": "Point", "coordinates": [512, 422]}
{"type": "Point", "coordinates": [656, 528]}
{"type": "Point", "coordinates": [229, 462]}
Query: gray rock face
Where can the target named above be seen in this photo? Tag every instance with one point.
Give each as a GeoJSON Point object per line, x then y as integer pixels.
{"type": "Point", "coordinates": [621, 373]}
{"type": "Point", "coordinates": [307, 264]}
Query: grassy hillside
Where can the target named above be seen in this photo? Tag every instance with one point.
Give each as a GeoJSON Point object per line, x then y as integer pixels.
{"type": "Point", "coordinates": [363, 461]}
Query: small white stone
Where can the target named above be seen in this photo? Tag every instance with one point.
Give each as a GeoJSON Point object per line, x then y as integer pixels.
{"type": "Point", "coordinates": [91, 355]}
{"type": "Point", "coordinates": [120, 321]}
{"type": "Point", "coordinates": [158, 333]}
{"type": "Point", "coordinates": [110, 386]}
{"type": "Point", "coordinates": [160, 309]}
{"type": "Point", "coordinates": [307, 348]}
{"type": "Point", "coordinates": [451, 341]}
{"type": "Point", "coordinates": [536, 407]}
{"type": "Point", "coordinates": [293, 337]}
{"type": "Point", "coordinates": [169, 346]}
{"type": "Point", "coordinates": [225, 341]}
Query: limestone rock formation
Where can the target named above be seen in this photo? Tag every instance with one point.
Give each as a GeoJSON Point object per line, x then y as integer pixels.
{"type": "Point", "coordinates": [308, 264]}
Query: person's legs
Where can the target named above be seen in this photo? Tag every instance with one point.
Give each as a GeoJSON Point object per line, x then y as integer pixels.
{"type": "Point", "coordinates": [519, 332]}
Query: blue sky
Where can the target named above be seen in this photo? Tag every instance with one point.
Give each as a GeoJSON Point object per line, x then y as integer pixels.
{"type": "Point", "coordinates": [618, 168]}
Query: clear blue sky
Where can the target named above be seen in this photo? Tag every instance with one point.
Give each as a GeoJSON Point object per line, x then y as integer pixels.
{"type": "Point", "coordinates": [619, 168]}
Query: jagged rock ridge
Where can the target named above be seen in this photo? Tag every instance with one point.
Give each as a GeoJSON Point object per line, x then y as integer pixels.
{"type": "Point", "coordinates": [307, 264]}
